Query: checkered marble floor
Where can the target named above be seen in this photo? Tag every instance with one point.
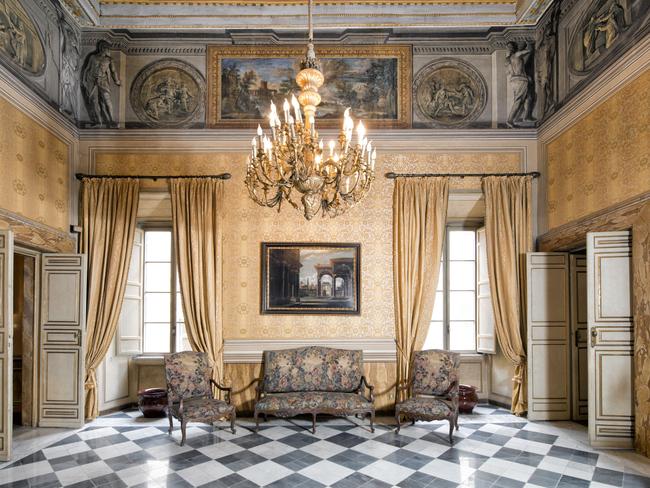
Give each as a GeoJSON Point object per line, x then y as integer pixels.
{"type": "Point", "coordinates": [491, 449]}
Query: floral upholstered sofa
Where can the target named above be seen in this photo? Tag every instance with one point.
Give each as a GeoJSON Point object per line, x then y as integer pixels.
{"type": "Point", "coordinates": [313, 380]}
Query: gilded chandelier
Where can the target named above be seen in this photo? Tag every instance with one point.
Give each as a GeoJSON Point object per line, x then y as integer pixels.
{"type": "Point", "coordinates": [293, 158]}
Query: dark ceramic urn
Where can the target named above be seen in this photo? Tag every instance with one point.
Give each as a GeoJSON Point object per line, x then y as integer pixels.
{"type": "Point", "coordinates": [152, 402]}
{"type": "Point", "coordinates": [467, 398]}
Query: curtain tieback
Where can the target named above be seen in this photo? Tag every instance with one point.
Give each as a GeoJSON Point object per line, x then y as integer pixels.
{"type": "Point", "coordinates": [91, 380]}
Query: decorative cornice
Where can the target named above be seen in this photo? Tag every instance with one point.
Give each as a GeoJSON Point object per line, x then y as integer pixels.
{"type": "Point", "coordinates": [37, 235]}
{"type": "Point", "coordinates": [251, 350]}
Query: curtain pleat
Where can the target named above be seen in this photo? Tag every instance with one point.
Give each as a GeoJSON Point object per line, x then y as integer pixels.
{"type": "Point", "coordinates": [109, 209]}
{"type": "Point", "coordinates": [196, 221]}
{"type": "Point", "coordinates": [419, 219]}
{"type": "Point", "coordinates": [508, 231]}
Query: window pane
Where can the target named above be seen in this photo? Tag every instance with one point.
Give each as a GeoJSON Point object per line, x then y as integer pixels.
{"type": "Point", "coordinates": [462, 244]}
{"type": "Point", "coordinates": [157, 277]}
{"type": "Point", "coordinates": [182, 342]}
{"type": "Point", "coordinates": [434, 338]}
{"type": "Point", "coordinates": [438, 307]}
{"type": "Point", "coordinates": [156, 307]}
{"type": "Point", "coordinates": [461, 305]}
{"type": "Point", "coordinates": [156, 337]}
{"type": "Point", "coordinates": [461, 275]}
{"type": "Point", "coordinates": [462, 336]}
{"type": "Point", "coordinates": [179, 308]}
{"type": "Point", "coordinates": [157, 245]}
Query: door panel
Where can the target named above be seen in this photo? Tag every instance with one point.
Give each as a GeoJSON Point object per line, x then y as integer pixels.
{"type": "Point", "coordinates": [548, 336]}
{"type": "Point", "coordinates": [579, 347]}
{"type": "Point", "coordinates": [609, 316]}
{"type": "Point", "coordinates": [6, 349]}
{"type": "Point", "coordinates": [62, 324]}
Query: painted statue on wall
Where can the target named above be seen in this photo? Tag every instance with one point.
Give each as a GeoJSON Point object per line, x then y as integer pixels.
{"type": "Point", "coordinates": [69, 80]}
{"type": "Point", "coordinates": [518, 67]}
{"type": "Point", "coordinates": [546, 65]}
{"type": "Point", "coordinates": [20, 42]}
{"type": "Point", "coordinates": [449, 93]}
{"type": "Point", "coordinates": [97, 75]}
{"type": "Point", "coordinates": [168, 93]}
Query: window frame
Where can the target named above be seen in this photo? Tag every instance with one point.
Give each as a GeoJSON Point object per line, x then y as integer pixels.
{"type": "Point", "coordinates": [446, 276]}
{"type": "Point", "coordinates": [173, 328]}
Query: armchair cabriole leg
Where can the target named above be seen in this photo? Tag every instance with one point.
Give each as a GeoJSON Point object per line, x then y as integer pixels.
{"type": "Point", "coordinates": [233, 417]}
{"type": "Point", "coordinates": [397, 421]}
{"type": "Point", "coordinates": [313, 423]}
{"type": "Point", "coordinates": [451, 431]}
{"type": "Point", "coordinates": [257, 421]}
{"type": "Point", "coordinates": [171, 423]}
{"type": "Point", "coordinates": [372, 421]}
{"type": "Point", "coordinates": [183, 431]}
{"type": "Point", "coordinates": [456, 420]}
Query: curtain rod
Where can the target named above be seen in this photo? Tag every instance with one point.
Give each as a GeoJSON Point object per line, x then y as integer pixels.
{"type": "Point", "coordinates": [391, 175]}
{"type": "Point", "coordinates": [222, 176]}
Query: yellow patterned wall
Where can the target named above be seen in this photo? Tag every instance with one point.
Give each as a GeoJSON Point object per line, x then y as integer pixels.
{"type": "Point", "coordinates": [604, 158]}
{"type": "Point", "coordinates": [246, 225]}
{"type": "Point", "coordinates": [33, 169]}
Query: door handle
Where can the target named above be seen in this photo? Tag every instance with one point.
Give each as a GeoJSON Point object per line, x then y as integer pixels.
{"type": "Point", "coordinates": [594, 336]}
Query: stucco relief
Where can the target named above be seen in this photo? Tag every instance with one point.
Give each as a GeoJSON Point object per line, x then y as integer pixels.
{"type": "Point", "coordinates": [168, 93]}
{"type": "Point", "coordinates": [449, 93]}
{"type": "Point", "coordinates": [20, 41]}
{"type": "Point", "coordinates": [603, 158]}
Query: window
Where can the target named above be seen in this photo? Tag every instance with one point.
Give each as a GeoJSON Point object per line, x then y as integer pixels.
{"type": "Point", "coordinates": [164, 328]}
{"type": "Point", "coordinates": [453, 322]}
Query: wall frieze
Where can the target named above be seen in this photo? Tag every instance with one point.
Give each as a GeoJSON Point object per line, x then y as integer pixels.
{"type": "Point", "coordinates": [34, 234]}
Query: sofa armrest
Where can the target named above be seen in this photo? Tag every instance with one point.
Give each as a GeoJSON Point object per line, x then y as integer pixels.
{"type": "Point", "coordinates": [363, 384]}
{"type": "Point", "coordinates": [227, 389]}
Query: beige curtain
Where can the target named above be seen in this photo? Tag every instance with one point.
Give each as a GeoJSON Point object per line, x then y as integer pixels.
{"type": "Point", "coordinates": [509, 237]}
{"type": "Point", "coordinates": [196, 220]}
{"type": "Point", "coordinates": [419, 219]}
{"type": "Point", "coordinates": [109, 208]}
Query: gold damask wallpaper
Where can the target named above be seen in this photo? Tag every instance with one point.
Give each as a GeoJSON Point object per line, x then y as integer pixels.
{"type": "Point", "coordinates": [604, 158]}
{"type": "Point", "coordinates": [246, 225]}
{"type": "Point", "coordinates": [33, 170]}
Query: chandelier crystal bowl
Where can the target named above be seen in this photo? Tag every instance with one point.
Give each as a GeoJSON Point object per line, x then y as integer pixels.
{"type": "Point", "coordinates": [292, 159]}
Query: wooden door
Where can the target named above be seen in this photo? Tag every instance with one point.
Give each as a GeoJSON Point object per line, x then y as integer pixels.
{"type": "Point", "coordinates": [579, 338]}
{"type": "Point", "coordinates": [549, 374]}
{"type": "Point", "coordinates": [611, 352]}
{"type": "Point", "coordinates": [62, 324]}
{"type": "Point", "coordinates": [6, 337]}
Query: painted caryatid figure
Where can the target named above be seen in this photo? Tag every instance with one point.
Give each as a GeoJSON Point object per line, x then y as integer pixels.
{"type": "Point", "coordinates": [545, 70]}
{"type": "Point", "coordinates": [96, 77]}
{"type": "Point", "coordinates": [69, 67]}
{"type": "Point", "coordinates": [522, 84]}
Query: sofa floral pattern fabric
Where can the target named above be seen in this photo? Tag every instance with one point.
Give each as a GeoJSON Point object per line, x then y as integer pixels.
{"type": "Point", "coordinates": [307, 401]}
{"type": "Point", "coordinates": [425, 407]}
{"type": "Point", "coordinates": [188, 375]}
{"type": "Point", "coordinates": [434, 372]}
{"type": "Point", "coordinates": [312, 369]}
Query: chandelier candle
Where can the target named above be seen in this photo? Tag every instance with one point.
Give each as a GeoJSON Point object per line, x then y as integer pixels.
{"type": "Point", "coordinates": [292, 161]}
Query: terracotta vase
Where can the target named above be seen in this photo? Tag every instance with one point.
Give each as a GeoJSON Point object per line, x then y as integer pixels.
{"type": "Point", "coordinates": [467, 398]}
{"type": "Point", "coordinates": [152, 402]}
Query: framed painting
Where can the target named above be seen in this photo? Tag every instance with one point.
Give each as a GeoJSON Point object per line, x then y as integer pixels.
{"type": "Point", "coordinates": [374, 81]}
{"type": "Point", "coordinates": [311, 278]}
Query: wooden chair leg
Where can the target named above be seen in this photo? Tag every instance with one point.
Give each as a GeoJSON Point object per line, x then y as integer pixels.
{"type": "Point", "coordinates": [257, 421]}
{"type": "Point", "coordinates": [397, 421]}
{"type": "Point", "coordinates": [451, 431]}
{"type": "Point", "coordinates": [456, 420]}
{"type": "Point", "coordinates": [171, 423]}
{"type": "Point", "coordinates": [412, 421]}
{"type": "Point", "coordinates": [233, 417]}
{"type": "Point", "coordinates": [372, 421]}
{"type": "Point", "coordinates": [183, 431]}
{"type": "Point", "coordinates": [313, 423]}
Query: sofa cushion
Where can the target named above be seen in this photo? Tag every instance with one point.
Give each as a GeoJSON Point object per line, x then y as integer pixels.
{"type": "Point", "coordinates": [312, 369]}
{"type": "Point", "coordinates": [306, 400]}
{"type": "Point", "coordinates": [426, 407]}
{"type": "Point", "coordinates": [200, 408]}
{"type": "Point", "coordinates": [434, 371]}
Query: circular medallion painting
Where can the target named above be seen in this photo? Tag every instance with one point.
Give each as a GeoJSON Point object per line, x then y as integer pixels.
{"type": "Point", "coordinates": [449, 93]}
{"type": "Point", "coordinates": [167, 93]}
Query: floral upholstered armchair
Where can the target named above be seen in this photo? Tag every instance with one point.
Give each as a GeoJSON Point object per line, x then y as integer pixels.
{"type": "Point", "coordinates": [432, 389]}
{"type": "Point", "coordinates": [189, 391]}
{"type": "Point", "coordinates": [313, 380]}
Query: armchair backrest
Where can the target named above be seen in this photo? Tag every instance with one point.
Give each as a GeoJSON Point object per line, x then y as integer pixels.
{"type": "Point", "coordinates": [434, 372]}
{"type": "Point", "coordinates": [188, 375]}
{"type": "Point", "coordinates": [312, 368]}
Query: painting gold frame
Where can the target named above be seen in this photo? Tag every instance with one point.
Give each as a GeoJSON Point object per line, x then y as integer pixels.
{"type": "Point", "coordinates": [402, 53]}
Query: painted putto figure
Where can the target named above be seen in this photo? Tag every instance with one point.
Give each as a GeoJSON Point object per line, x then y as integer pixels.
{"type": "Point", "coordinates": [97, 74]}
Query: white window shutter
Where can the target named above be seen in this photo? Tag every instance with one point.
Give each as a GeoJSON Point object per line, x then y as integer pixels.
{"type": "Point", "coordinates": [129, 329]}
{"type": "Point", "coordinates": [485, 336]}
